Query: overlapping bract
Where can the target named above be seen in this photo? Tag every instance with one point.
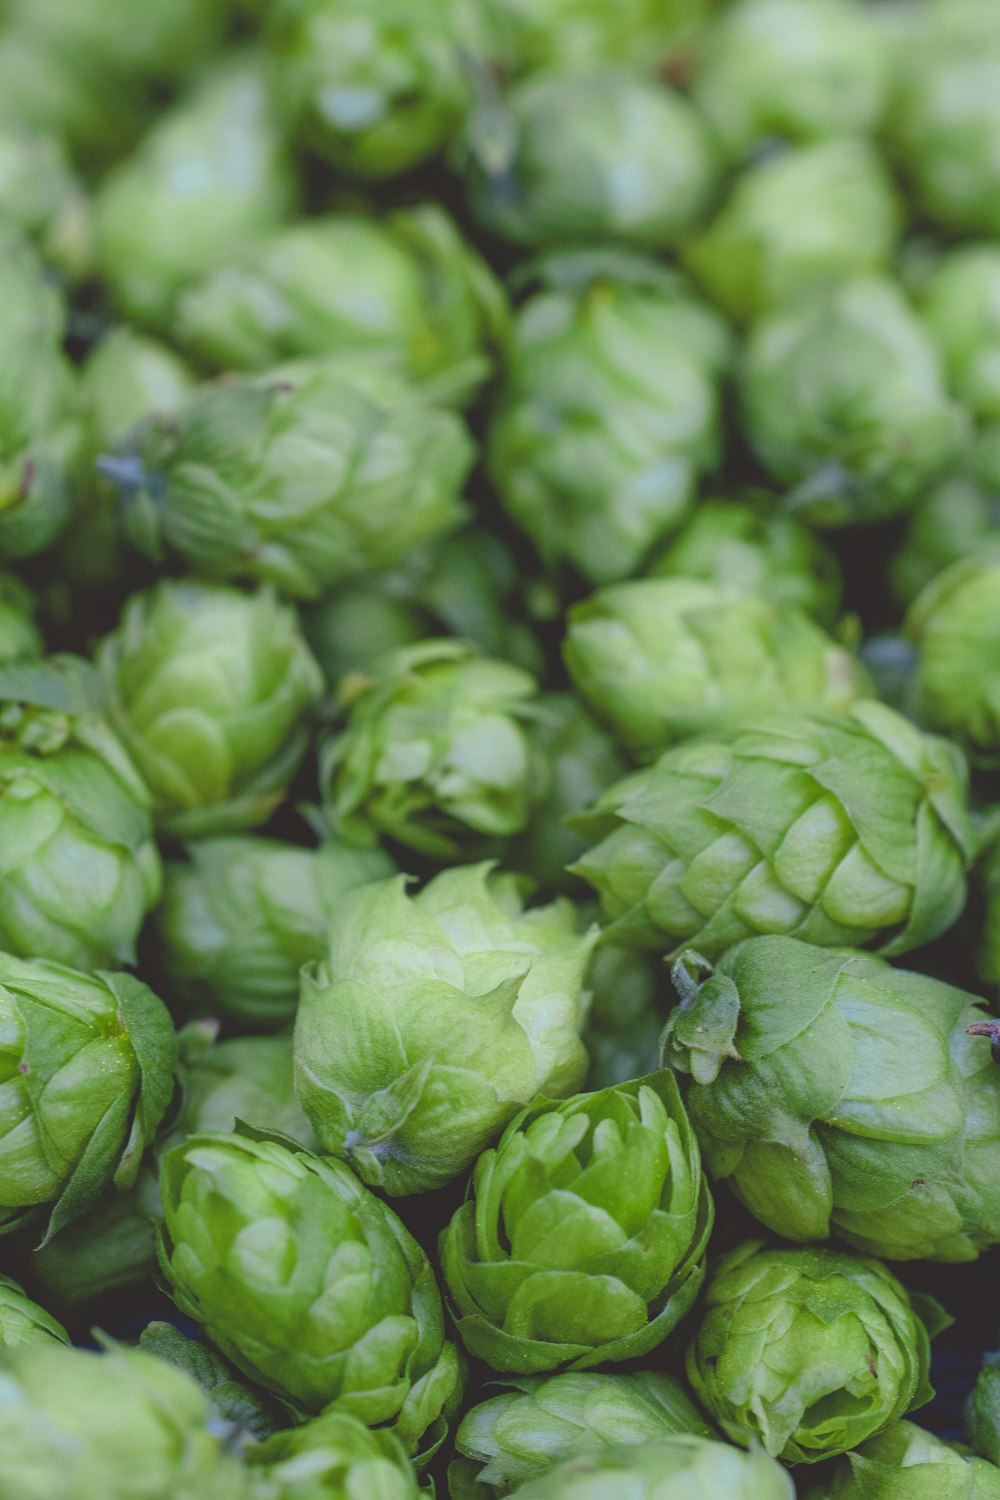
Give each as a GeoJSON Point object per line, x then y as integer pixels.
{"type": "Point", "coordinates": [696, 1467]}
{"type": "Point", "coordinates": [847, 831]}
{"type": "Point", "coordinates": [582, 1239]}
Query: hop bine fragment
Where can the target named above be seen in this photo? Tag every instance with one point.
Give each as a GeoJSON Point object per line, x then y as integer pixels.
{"type": "Point", "coordinates": [436, 750]}
{"type": "Point", "coordinates": [806, 1102]}
{"type": "Point", "coordinates": [303, 479]}
{"type": "Point", "coordinates": [406, 291]}
{"type": "Point", "coordinates": [211, 691]}
{"type": "Point", "coordinates": [309, 1284]}
{"type": "Point", "coordinates": [662, 659]}
{"type": "Point", "coordinates": [798, 70]}
{"type": "Point", "coordinates": [435, 1019]}
{"type": "Point", "coordinates": [807, 1352]}
{"type": "Point", "coordinates": [836, 831]}
{"type": "Point", "coordinates": [572, 158]}
{"type": "Point", "coordinates": [907, 1463]}
{"type": "Point", "coordinates": [688, 1465]}
{"type": "Point", "coordinates": [582, 1240]}
{"type": "Point", "coordinates": [242, 915]}
{"type": "Point", "coordinates": [70, 800]}
{"type": "Point", "coordinates": [608, 413]}
{"type": "Point", "coordinates": [118, 1425]}
{"type": "Point", "coordinates": [513, 1437]}
{"type": "Point", "coordinates": [88, 1071]}
{"type": "Point", "coordinates": [843, 399]}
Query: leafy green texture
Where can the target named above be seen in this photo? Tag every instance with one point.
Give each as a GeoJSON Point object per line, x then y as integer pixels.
{"type": "Point", "coordinates": [686, 1464]}
{"type": "Point", "coordinates": [640, 34]}
{"type": "Point", "coordinates": [211, 173]}
{"type": "Point", "coordinates": [23, 1321]}
{"type": "Point", "coordinates": [955, 625]}
{"type": "Point", "coordinates": [755, 547]}
{"type": "Point", "coordinates": [38, 436]}
{"type": "Point", "coordinates": [807, 1352]}
{"type": "Point", "coordinates": [982, 1413]}
{"type": "Point", "coordinates": [120, 1425]}
{"type": "Point", "coordinates": [303, 479]}
{"type": "Point", "coordinates": [794, 223]}
{"type": "Point", "coordinates": [801, 70]}
{"type": "Point", "coordinates": [907, 1463]}
{"type": "Point", "coordinates": [246, 1079]}
{"type": "Point", "coordinates": [407, 291]}
{"type": "Point", "coordinates": [627, 1010]}
{"type": "Point", "coordinates": [836, 1094]}
{"type": "Point", "coordinates": [41, 196]}
{"type": "Point", "coordinates": [238, 1405]}
{"type": "Point", "coordinates": [661, 659]}
{"type": "Point", "coordinates": [211, 691]}
{"type": "Point", "coordinates": [843, 399]}
{"type": "Point", "coordinates": [435, 1019]}
{"type": "Point", "coordinates": [945, 116]}
{"type": "Point", "coordinates": [333, 1457]}
{"type": "Point", "coordinates": [70, 800]}
{"type": "Point", "coordinates": [435, 751]}
{"type": "Point", "coordinates": [960, 304]}
{"type": "Point", "coordinates": [242, 915]}
{"type": "Point", "coordinates": [958, 518]}
{"type": "Point", "coordinates": [574, 158]}
{"type": "Point", "coordinates": [88, 1071]}
{"type": "Point", "coordinates": [608, 412]}
{"type": "Point", "coordinates": [582, 1239]}
{"type": "Point", "coordinates": [110, 1247]}
{"type": "Point", "coordinates": [515, 1436]}
{"type": "Point", "coordinates": [20, 638]}
{"type": "Point", "coordinates": [837, 831]}
{"type": "Point", "coordinates": [308, 1284]}
{"type": "Point", "coordinates": [377, 92]}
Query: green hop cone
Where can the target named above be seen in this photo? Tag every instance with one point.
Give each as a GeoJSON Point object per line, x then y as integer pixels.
{"type": "Point", "coordinates": [795, 223]}
{"type": "Point", "coordinates": [807, 1352]}
{"type": "Point", "coordinates": [583, 1236]}
{"type": "Point", "coordinates": [23, 1321]}
{"type": "Point", "coordinates": [408, 291]}
{"type": "Point", "coordinates": [308, 1284]}
{"type": "Point", "coordinates": [70, 800]}
{"type": "Point", "coordinates": [907, 1463]}
{"type": "Point", "coordinates": [242, 915]}
{"type": "Point", "coordinates": [303, 482]}
{"type": "Point", "coordinates": [754, 547]}
{"type": "Point", "coordinates": [627, 1011]}
{"type": "Point", "coordinates": [838, 831]}
{"type": "Point", "coordinates": [982, 1413]}
{"type": "Point", "coordinates": [843, 399]}
{"type": "Point", "coordinates": [436, 749]}
{"type": "Point", "coordinates": [38, 437]}
{"type": "Point", "coordinates": [960, 305]}
{"type": "Point", "coordinates": [661, 659]}
{"type": "Point", "coordinates": [333, 1457]}
{"type": "Point", "coordinates": [248, 1079]}
{"type": "Point", "coordinates": [577, 158]}
{"type": "Point", "coordinates": [88, 1072]}
{"type": "Point", "coordinates": [377, 92]}
{"type": "Point", "coordinates": [511, 1438]}
{"type": "Point", "coordinates": [801, 70]}
{"type": "Point", "coordinates": [211, 691]}
{"type": "Point", "coordinates": [685, 1464]}
{"type": "Point", "coordinates": [821, 1121]}
{"type": "Point", "coordinates": [640, 34]}
{"type": "Point", "coordinates": [210, 175]}
{"type": "Point", "coordinates": [608, 412]}
{"type": "Point", "coordinates": [41, 196]}
{"type": "Point", "coordinates": [435, 1019]}
{"type": "Point", "coordinates": [945, 115]}
{"type": "Point", "coordinates": [958, 518]}
{"type": "Point", "coordinates": [120, 1425]}
{"type": "Point", "coordinates": [955, 626]}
